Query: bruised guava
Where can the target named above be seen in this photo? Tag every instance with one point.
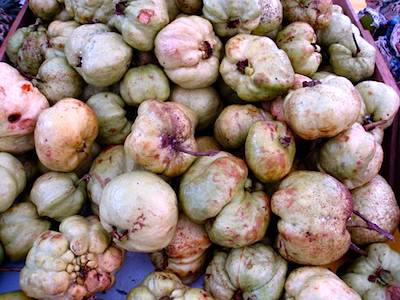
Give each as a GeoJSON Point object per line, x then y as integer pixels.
{"type": "Point", "coordinates": [376, 202]}
{"type": "Point", "coordinates": [20, 105]}
{"type": "Point", "coordinates": [256, 68]}
{"type": "Point", "coordinates": [230, 17]}
{"type": "Point", "coordinates": [140, 210]}
{"type": "Point", "coordinates": [186, 254]}
{"type": "Point", "coordinates": [309, 283]}
{"type": "Point", "coordinates": [270, 150]}
{"type": "Point", "coordinates": [352, 157]}
{"type": "Point", "coordinates": [75, 263]}
{"type": "Point", "coordinates": [162, 138]}
{"type": "Point", "coordinates": [64, 134]}
{"type": "Point", "coordinates": [234, 122]}
{"type": "Point", "coordinates": [322, 108]}
{"type": "Point", "coordinates": [255, 272]}
{"type": "Point", "coordinates": [317, 13]}
{"type": "Point", "coordinates": [215, 191]}
{"type": "Point", "coordinates": [313, 208]}
{"type": "Point", "coordinates": [377, 275]}
{"type": "Point", "coordinates": [189, 52]}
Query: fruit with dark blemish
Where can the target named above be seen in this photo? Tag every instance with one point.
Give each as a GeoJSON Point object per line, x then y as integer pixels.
{"type": "Point", "coordinates": [148, 219]}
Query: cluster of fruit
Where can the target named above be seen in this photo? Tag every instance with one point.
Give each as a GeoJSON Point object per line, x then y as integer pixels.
{"type": "Point", "coordinates": [135, 108]}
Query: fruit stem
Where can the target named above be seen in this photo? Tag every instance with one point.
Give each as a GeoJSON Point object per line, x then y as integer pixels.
{"type": "Point", "coordinates": [371, 126]}
{"type": "Point", "coordinates": [355, 42]}
{"type": "Point", "coordinates": [311, 83]}
{"type": "Point", "coordinates": [85, 178]}
{"type": "Point", "coordinates": [238, 295]}
{"type": "Point", "coordinates": [119, 234]}
{"type": "Point", "coordinates": [373, 226]}
{"type": "Point", "coordinates": [196, 153]}
{"type": "Point", "coordinates": [357, 249]}
{"type": "Point", "coordinates": [167, 140]}
{"type": "Point", "coordinates": [233, 24]}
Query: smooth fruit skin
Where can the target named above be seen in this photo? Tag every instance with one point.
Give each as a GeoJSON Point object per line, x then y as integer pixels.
{"type": "Point", "coordinates": [20, 225]}
{"type": "Point", "coordinates": [65, 134]}
{"type": "Point", "coordinates": [142, 208]}
{"type": "Point", "coordinates": [270, 148]}
{"type": "Point", "coordinates": [58, 195]}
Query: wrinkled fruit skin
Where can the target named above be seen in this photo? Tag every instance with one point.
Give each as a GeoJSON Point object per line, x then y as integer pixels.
{"type": "Point", "coordinates": [101, 57]}
{"type": "Point", "coordinates": [352, 157]}
{"type": "Point", "coordinates": [64, 134]}
{"type": "Point", "coordinates": [271, 18]}
{"type": "Point", "coordinates": [354, 66]}
{"type": "Point", "coordinates": [314, 209]}
{"type": "Point", "coordinates": [13, 180]}
{"type": "Point", "coordinates": [45, 9]}
{"type": "Point", "coordinates": [143, 83]}
{"type": "Point", "coordinates": [57, 80]}
{"type": "Point", "coordinates": [27, 48]}
{"type": "Point", "coordinates": [339, 31]}
{"type": "Point", "coordinates": [231, 17]}
{"type": "Point", "coordinates": [186, 253]}
{"type": "Point", "coordinates": [166, 285]}
{"type": "Point", "coordinates": [376, 276]}
{"type": "Point", "coordinates": [59, 33]}
{"type": "Point", "coordinates": [113, 124]}
{"type": "Point", "coordinates": [89, 11]}
{"type": "Point", "coordinates": [315, 283]}
{"type": "Point", "coordinates": [270, 150]}
{"type": "Point", "coordinates": [256, 68]}
{"type": "Point", "coordinates": [110, 163]}
{"type": "Point", "coordinates": [322, 110]}
{"type": "Point", "coordinates": [140, 21]}
{"type": "Point", "coordinates": [212, 192]}
{"type": "Point", "coordinates": [204, 178]}
{"type": "Point", "coordinates": [253, 272]}
{"type": "Point", "coordinates": [381, 102]}
{"type": "Point", "coordinates": [298, 40]}
{"type": "Point", "coordinates": [75, 263]}
{"type": "Point", "coordinates": [205, 102]}
{"type": "Point", "coordinates": [376, 201]}
{"type": "Point", "coordinates": [234, 122]}
{"type": "Point", "coordinates": [19, 227]}
{"type": "Point", "coordinates": [20, 106]}
{"type": "Point", "coordinates": [189, 52]}
{"type": "Point", "coordinates": [142, 219]}
{"type": "Point", "coordinates": [58, 195]}
{"type": "Point", "coordinates": [317, 13]}
{"type": "Point", "coordinates": [157, 132]}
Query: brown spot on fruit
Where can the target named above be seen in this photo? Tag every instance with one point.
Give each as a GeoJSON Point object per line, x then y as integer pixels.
{"type": "Point", "coordinates": [120, 8]}
{"type": "Point", "coordinates": [26, 88]}
{"type": "Point", "coordinates": [311, 83]}
{"type": "Point", "coordinates": [241, 65]}
{"type": "Point", "coordinates": [233, 24]}
{"type": "Point", "coordinates": [207, 50]}
{"type": "Point", "coordinates": [15, 117]}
